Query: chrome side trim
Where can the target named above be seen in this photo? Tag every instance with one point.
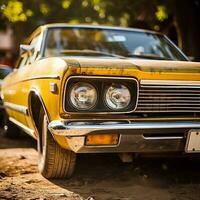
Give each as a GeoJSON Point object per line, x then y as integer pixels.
{"type": "Point", "coordinates": [65, 129]}
{"type": "Point", "coordinates": [169, 82]}
{"type": "Point", "coordinates": [100, 77]}
{"type": "Point", "coordinates": [23, 127]}
{"type": "Point", "coordinates": [34, 78]}
{"type": "Point", "coordinates": [16, 107]}
{"type": "Point", "coordinates": [43, 77]}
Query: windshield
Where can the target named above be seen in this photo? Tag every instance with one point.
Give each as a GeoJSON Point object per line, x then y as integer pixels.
{"type": "Point", "coordinates": [79, 41]}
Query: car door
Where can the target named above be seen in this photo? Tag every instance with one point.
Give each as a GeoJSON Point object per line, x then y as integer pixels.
{"type": "Point", "coordinates": [10, 92]}
{"type": "Point", "coordinates": [18, 91]}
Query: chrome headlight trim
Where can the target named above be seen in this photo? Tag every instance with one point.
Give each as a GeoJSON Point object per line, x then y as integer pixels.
{"type": "Point", "coordinates": [100, 77]}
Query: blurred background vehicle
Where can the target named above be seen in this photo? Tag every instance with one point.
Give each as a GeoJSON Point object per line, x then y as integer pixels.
{"type": "Point", "coordinates": [4, 71]}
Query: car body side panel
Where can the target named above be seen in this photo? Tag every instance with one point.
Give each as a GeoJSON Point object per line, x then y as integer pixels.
{"type": "Point", "coordinates": [37, 77]}
{"type": "Point", "coordinates": [32, 77]}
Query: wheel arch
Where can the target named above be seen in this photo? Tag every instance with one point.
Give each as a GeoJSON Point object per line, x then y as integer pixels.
{"type": "Point", "coordinates": [35, 103]}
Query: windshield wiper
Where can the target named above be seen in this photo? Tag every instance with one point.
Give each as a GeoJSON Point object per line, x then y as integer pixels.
{"type": "Point", "coordinates": [90, 52]}
{"type": "Point", "coordinates": [148, 56]}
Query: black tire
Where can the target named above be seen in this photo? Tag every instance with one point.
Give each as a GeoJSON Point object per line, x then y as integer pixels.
{"type": "Point", "coordinates": [9, 129]}
{"type": "Point", "coordinates": [54, 161]}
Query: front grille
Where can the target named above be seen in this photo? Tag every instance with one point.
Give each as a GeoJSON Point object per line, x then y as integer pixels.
{"type": "Point", "coordinates": [169, 96]}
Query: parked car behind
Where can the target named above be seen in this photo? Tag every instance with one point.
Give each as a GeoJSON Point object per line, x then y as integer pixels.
{"type": "Point", "coordinates": [98, 89]}
{"type": "Point", "coordinates": [4, 71]}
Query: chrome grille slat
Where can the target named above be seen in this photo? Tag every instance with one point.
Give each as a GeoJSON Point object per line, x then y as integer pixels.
{"type": "Point", "coordinates": [181, 97]}
{"type": "Point", "coordinates": [169, 104]}
{"type": "Point", "coordinates": [175, 107]}
{"type": "Point", "coordinates": [168, 94]}
{"type": "Point", "coordinates": [171, 100]}
{"type": "Point", "coordinates": [171, 86]}
{"type": "Point", "coordinates": [167, 90]}
{"type": "Point", "coordinates": [163, 97]}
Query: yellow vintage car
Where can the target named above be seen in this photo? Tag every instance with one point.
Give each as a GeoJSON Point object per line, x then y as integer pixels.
{"type": "Point", "coordinates": [100, 89]}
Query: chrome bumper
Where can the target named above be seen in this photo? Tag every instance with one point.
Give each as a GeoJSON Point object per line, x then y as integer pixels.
{"type": "Point", "coordinates": [131, 135]}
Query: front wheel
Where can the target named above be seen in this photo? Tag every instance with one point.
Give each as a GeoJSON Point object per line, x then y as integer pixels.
{"type": "Point", "coordinates": [54, 161]}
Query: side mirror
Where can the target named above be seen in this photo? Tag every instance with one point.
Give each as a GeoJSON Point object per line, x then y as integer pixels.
{"type": "Point", "coordinates": [24, 48]}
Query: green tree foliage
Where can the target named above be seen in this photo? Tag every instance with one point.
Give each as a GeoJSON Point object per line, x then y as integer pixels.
{"type": "Point", "coordinates": [158, 15]}
{"type": "Point", "coordinates": [14, 11]}
{"type": "Point", "coordinates": [115, 12]}
{"type": "Point", "coordinates": [161, 13]}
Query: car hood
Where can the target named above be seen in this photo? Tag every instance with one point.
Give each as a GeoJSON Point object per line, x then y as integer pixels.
{"type": "Point", "coordinates": [138, 68]}
{"type": "Point", "coordinates": [167, 66]}
{"type": "Point", "coordinates": [141, 64]}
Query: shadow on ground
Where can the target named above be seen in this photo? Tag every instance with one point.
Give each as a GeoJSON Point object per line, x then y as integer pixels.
{"type": "Point", "coordinates": [23, 141]}
{"type": "Point", "coordinates": [149, 178]}
{"type": "Point", "coordinates": [102, 176]}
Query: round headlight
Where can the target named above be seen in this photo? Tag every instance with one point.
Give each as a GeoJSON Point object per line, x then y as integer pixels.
{"type": "Point", "coordinates": [117, 97]}
{"type": "Point", "coordinates": [83, 96]}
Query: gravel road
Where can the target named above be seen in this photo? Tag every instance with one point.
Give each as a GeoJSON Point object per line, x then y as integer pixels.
{"type": "Point", "coordinates": [97, 177]}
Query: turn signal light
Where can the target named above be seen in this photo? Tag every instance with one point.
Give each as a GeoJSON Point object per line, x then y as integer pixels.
{"type": "Point", "coordinates": [102, 139]}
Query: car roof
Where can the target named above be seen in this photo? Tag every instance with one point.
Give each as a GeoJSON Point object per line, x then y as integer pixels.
{"type": "Point", "coordinates": [63, 25]}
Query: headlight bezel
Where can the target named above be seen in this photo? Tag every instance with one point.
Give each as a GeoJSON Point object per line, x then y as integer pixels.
{"type": "Point", "coordinates": [101, 83]}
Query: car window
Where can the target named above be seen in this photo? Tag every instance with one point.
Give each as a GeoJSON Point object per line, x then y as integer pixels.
{"type": "Point", "coordinates": [126, 43]}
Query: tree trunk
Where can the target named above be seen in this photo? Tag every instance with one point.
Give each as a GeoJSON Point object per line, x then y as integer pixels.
{"type": "Point", "coordinates": [187, 19]}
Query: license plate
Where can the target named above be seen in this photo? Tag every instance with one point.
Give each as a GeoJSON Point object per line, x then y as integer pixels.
{"type": "Point", "coordinates": [193, 141]}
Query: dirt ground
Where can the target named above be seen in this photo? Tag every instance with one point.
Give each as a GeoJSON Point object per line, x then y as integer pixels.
{"type": "Point", "coordinates": [99, 177]}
